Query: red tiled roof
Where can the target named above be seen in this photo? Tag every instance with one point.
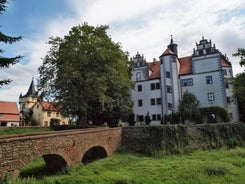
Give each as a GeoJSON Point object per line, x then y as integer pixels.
{"type": "Point", "coordinates": [168, 52]}
{"type": "Point", "coordinates": [185, 65]}
{"type": "Point", "coordinates": [8, 108]}
{"type": "Point", "coordinates": [10, 117]}
{"type": "Point", "coordinates": [155, 69]}
{"type": "Point", "coordinates": [48, 106]}
{"type": "Point", "coordinates": [9, 111]}
{"type": "Point", "coordinates": [224, 62]}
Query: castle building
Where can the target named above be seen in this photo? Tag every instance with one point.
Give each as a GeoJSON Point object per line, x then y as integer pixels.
{"type": "Point", "coordinates": [161, 84]}
{"type": "Point", "coordinates": [35, 111]}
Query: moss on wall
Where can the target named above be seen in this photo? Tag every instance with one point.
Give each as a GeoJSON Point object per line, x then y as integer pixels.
{"type": "Point", "coordinates": [174, 139]}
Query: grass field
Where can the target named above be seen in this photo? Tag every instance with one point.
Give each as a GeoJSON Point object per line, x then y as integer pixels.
{"type": "Point", "coordinates": [21, 130]}
{"type": "Point", "coordinates": [200, 167]}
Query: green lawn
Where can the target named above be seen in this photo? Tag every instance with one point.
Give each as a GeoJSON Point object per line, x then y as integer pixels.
{"type": "Point", "coordinates": [22, 130]}
{"type": "Point", "coordinates": [216, 166]}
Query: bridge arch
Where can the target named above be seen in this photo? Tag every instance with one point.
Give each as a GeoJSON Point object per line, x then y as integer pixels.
{"type": "Point", "coordinates": [94, 153]}
{"type": "Point", "coordinates": [54, 162]}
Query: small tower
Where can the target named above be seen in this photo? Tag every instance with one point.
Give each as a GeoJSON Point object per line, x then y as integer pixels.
{"type": "Point", "coordinates": [173, 47]}
{"type": "Point", "coordinates": [169, 79]}
{"type": "Point", "coordinates": [140, 70]}
{"type": "Point", "coordinates": [29, 99]}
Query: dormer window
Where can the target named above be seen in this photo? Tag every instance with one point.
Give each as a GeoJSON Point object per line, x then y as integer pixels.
{"type": "Point", "coordinates": [138, 76]}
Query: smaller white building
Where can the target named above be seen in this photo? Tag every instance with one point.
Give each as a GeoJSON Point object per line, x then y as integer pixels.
{"type": "Point", "coordinates": [9, 114]}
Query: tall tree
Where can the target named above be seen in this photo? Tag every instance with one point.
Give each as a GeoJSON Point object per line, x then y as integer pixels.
{"type": "Point", "coordinates": [239, 85]}
{"type": "Point", "coordinates": [239, 92]}
{"type": "Point", "coordinates": [5, 62]}
{"type": "Point", "coordinates": [188, 106]}
{"type": "Point", "coordinates": [87, 73]}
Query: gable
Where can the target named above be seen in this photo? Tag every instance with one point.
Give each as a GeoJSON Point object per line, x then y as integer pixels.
{"type": "Point", "coordinates": [154, 67]}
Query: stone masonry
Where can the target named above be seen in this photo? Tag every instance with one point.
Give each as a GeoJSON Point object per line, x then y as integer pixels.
{"type": "Point", "coordinates": [59, 149]}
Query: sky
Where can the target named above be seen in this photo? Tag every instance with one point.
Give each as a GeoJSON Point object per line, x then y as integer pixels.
{"type": "Point", "coordinates": [139, 26]}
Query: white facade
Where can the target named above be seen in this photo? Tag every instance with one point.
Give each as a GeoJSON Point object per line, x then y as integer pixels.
{"type": "Point", "coordinates": [160, 84]}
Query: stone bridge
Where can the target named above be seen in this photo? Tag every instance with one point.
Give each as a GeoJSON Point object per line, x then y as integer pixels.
{"type": "Point", "coordinates": [58, 149]}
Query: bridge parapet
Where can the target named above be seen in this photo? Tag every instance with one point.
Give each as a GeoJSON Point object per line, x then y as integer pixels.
{"type": "Point", "coordinates": [71, 146]}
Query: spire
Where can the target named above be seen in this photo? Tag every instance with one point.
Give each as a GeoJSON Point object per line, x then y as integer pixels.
{"type": "Point", "coordinates": [172, 46]}
{"type": "Point", "coordinates": [32, 89]}
{"type": "Point", "coordinates": [171, 40]}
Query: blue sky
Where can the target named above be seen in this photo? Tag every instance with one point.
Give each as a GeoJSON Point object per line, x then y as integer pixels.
{"type": "Point", "coordinates": [140, 26]}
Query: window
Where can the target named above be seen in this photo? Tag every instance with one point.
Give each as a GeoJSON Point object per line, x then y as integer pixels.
{"type": "Point", "coordinates": [210, 96]}
{"type": "Point", "coordinates": [155, 86]}
{"type": "Point", "coordinates": [224, 72]}
{"type": "Point", "coordinates": [57, 114]}
{"type": "Point", "coordinates": [187, 82]}
{"type": "Point", "coordinates": [159, 101]}
{"type": "Point", "coordinates": [159, 117]}
{"type": "Point", "coordinates": [23, 106]}
{"type": "Point", "coordinates": [37, 106]}
{"type": "Point", "coordinates": [152, 86]}
{"type": "Point", "coordinates": [140, 118]}
{"type": "Point", "coordinates": [169, 89]}
{"type": "Point", "coordinates": [1, 115]}
{"type": "Point", "coordinates": [139, 88]}
{"type": "Point", "coordinates": [226, 85]}
{"type": "Point", "coordinates": [228, 99]}
{"type": "Point", "coordinates": [138, 76]}
{"type": "Point", "coordinates": [156, 117]}
{"type": "Point", "coordinates": [49, 113]}
{"type": "Point", "coordinates": [168, 75]}
{"type": "Point", "coordinates": [158, 85]}
{"type": "Point", "coordinates": [170, 106]}
{"type": "Point", "coordinates": [140, 103]}
{"type": "Point", "coordinates": [153, 102]}
{"type": "Point", "coordinates": [209, 80]}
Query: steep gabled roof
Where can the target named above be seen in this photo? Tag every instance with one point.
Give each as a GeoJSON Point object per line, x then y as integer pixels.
{"type": "Point", "coordinates": [32, 91]}
{"type": "Point", "coordinates": [155, 69]}
{"type": "Point", "coordinates": [185, 65]}
{"type": "Point", "coordinates": [167, 52]}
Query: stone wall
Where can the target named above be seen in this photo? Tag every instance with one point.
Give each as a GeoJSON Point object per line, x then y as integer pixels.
{"type": "Point", "coordinates": [172, 139]}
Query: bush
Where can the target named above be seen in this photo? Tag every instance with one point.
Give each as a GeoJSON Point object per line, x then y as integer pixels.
{"type": "Point", "coordinates": [222, 112]}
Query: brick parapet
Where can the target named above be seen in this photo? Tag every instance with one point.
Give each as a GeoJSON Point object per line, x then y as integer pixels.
{"type": "Point", "coordinates": [17, 151]}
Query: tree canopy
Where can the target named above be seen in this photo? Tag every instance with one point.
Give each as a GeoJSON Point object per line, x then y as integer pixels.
{"type": "Point", "coordinates": [239, 85]}
{"type": "Point", "coordinates": [241, 53]}
{"type": "Point", "coordinates": [5, 62]}
{"type": "Point", "coordinates": [188, 106]}
{"type": "Point", "coordinates": [87, 73]}
{"type": "Point", "coordinates": [239, 93]}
